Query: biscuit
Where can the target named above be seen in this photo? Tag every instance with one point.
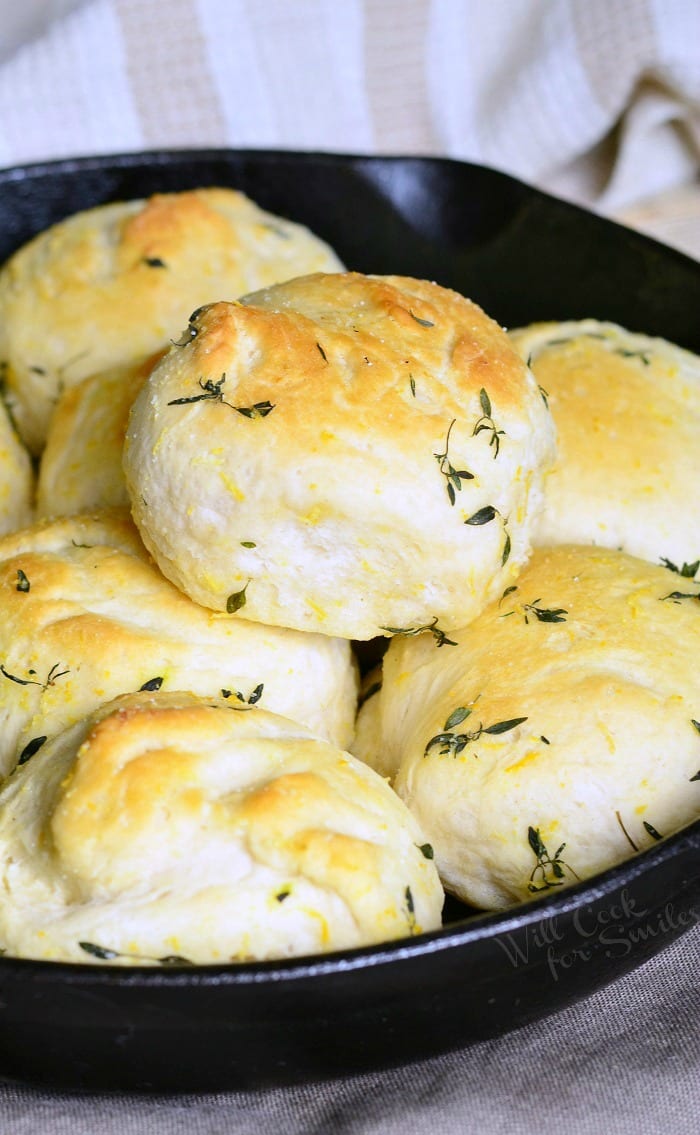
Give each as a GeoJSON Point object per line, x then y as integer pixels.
{"type": "Point", "coordinates": [560, 735]}
{"type": "Point", "coordinates": [81, 465]}
{"type": "Point", "coordinates": [85, 616]}
{"type": "Point", "coordinates": [627, 412]}
{"type": "Point", "coordinates": [169, 829]}
{"type": "Point", "coordinates": [353, 455]}
{"type": "Point", "coordinates": [113, 284]}
{"type": "Point", "coordinates": [16, 478]}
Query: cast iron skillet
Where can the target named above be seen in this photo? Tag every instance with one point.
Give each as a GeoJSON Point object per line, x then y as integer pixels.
{"type": "Point", "coordinates": [523, 256]}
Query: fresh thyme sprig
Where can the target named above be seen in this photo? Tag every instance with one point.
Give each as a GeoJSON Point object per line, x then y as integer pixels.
{"type": "Point", "coordinates": [676, 596]}
{"type": "Point", "coordinates": [439, 635]}
{"type": "Point", "coordinates": [213, 392]}
{"type": "Point", "coordinates": [51, 678]}
{"type": "Point", "coordinates": [549, 869]}
{"type": "Point", "coordinates": [486, 422]}
{"type": "Point", "coordinates": [453, 477]}
{"type": "Point", "coordinates": [544, 614]}
{"type": "Point", "coordinates": [452, 744]}
{"type": "Point", "coordinates": [105, 954]}
{"type": "Point", "coordinates": [687, 571]}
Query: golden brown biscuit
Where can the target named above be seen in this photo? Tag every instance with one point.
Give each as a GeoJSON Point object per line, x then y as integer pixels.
{"type": "Point", "coordinates": [561, 733]}
{"type": "Point", "coordinates": [16, 478]}
{"type": "Point", "coordinates": [111, 285]}
{"type": "Point", "coordinates": [85, 616]}
{"type": "Point", "coordinates": [81, 466]}
{"type": "Point", "coordinates": [170, 829]}
{"type": "Point", "coordinates": [347, 454]}
{"type": "Point", "coordinates": [627, 412]}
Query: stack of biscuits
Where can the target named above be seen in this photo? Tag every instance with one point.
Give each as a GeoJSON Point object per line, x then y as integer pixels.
{"type": "Point", "coordinates": [252, 467]}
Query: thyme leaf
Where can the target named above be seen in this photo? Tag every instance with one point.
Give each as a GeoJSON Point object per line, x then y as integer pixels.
{"type": "Point", "coordinates": [453, 477]}
{"type": "Point", "coordinates": [426, 850]}
{"type": "Point", "coordinates": [505, 554]}
{"type": "Point", "coordinates": [423, 322]}
{"type": "Point", "coordinates": [151, 686]}
{"type": "Point", "coordinates": [30, 749]}
{"type": "Point", "coordinates": [652, 831]}
{"type": "Point", "coordinates": [322, 353]}
{"type": "Point", "coordinates": [236, 600]}
{"type": "Point", "coordinates": [687, 571]}
{"type": "Point", "coordinates": [211, 392]}
{"type": "Point", "coordinates": [549, 869]}
{"type": "Point", "coordinates": [484, 516]}
{"type": "Point", "coordinates": [439, 635]}
{"type": "Point", "coordinates": [23, 583]}
{"type": "Point", "coordinates": [248, 544]}
{"type": "Point", "coordinates": [643, 355]}
{"type": "Point", "coordinates": [457, 716]}
{"type": "Point", "coordinates": [101, 952]}
{"type": "Point", "coordinates": [257, 410]}
{"type": "Point", "coordinates": [105, 954]}
{"type": "Point", "coordinates": [544, 614]}
{"type": "Point", "coordinates": [486, 422]}
{"type": "Point", "coordinates": [411, 910]}
{"type": "Point", "coordinates": [51, 678]}
{"type": "Point", "coordinates": [676, 596]}
{"type": "Point", "coordinates": [252, 699]}
{"type": "Point", "coordinates": [154, 262]}
{"type": "Point", "coordinates": [452, 744]}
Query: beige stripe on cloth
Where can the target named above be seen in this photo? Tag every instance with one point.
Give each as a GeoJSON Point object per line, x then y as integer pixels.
{"type": "Point", "coordinates": [396, 46]}
{"type": "Point", "coordinates": [168, 72]}
{"type": "Point", "coordinates": [613, 61]}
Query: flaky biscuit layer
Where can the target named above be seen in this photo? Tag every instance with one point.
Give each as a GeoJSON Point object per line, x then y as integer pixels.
{"type": "Point", "coordinates": [172, 829]}
{"type": "Point", "coordinates": [110, 285]}
{"type": "Point", "coordinates": [560, 734]}
{"type": "Point", "coordinates": [346, 454]}
{"type": "Point", "coordinates": [85, 615]}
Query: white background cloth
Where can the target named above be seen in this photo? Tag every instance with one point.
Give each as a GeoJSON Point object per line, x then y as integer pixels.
{"type": "Point", "coordinates": [598, 100]}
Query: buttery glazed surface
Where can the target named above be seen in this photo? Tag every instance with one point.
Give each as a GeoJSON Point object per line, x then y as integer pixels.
{"type": "Point", "coordinates": [85, 616]}
{"type": "Point", "coordinates": [81, 466]}
{"type": "Point", "coordinates": [600, 695]}
{"type": "Point", "coordinates": [297, 448]}
{"type": "Point", "coordinates": [113, 284]}
{"type": "Point", "coordinates": [627, 412]}
{"type": "Point", "coordinates": [168, 827]}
